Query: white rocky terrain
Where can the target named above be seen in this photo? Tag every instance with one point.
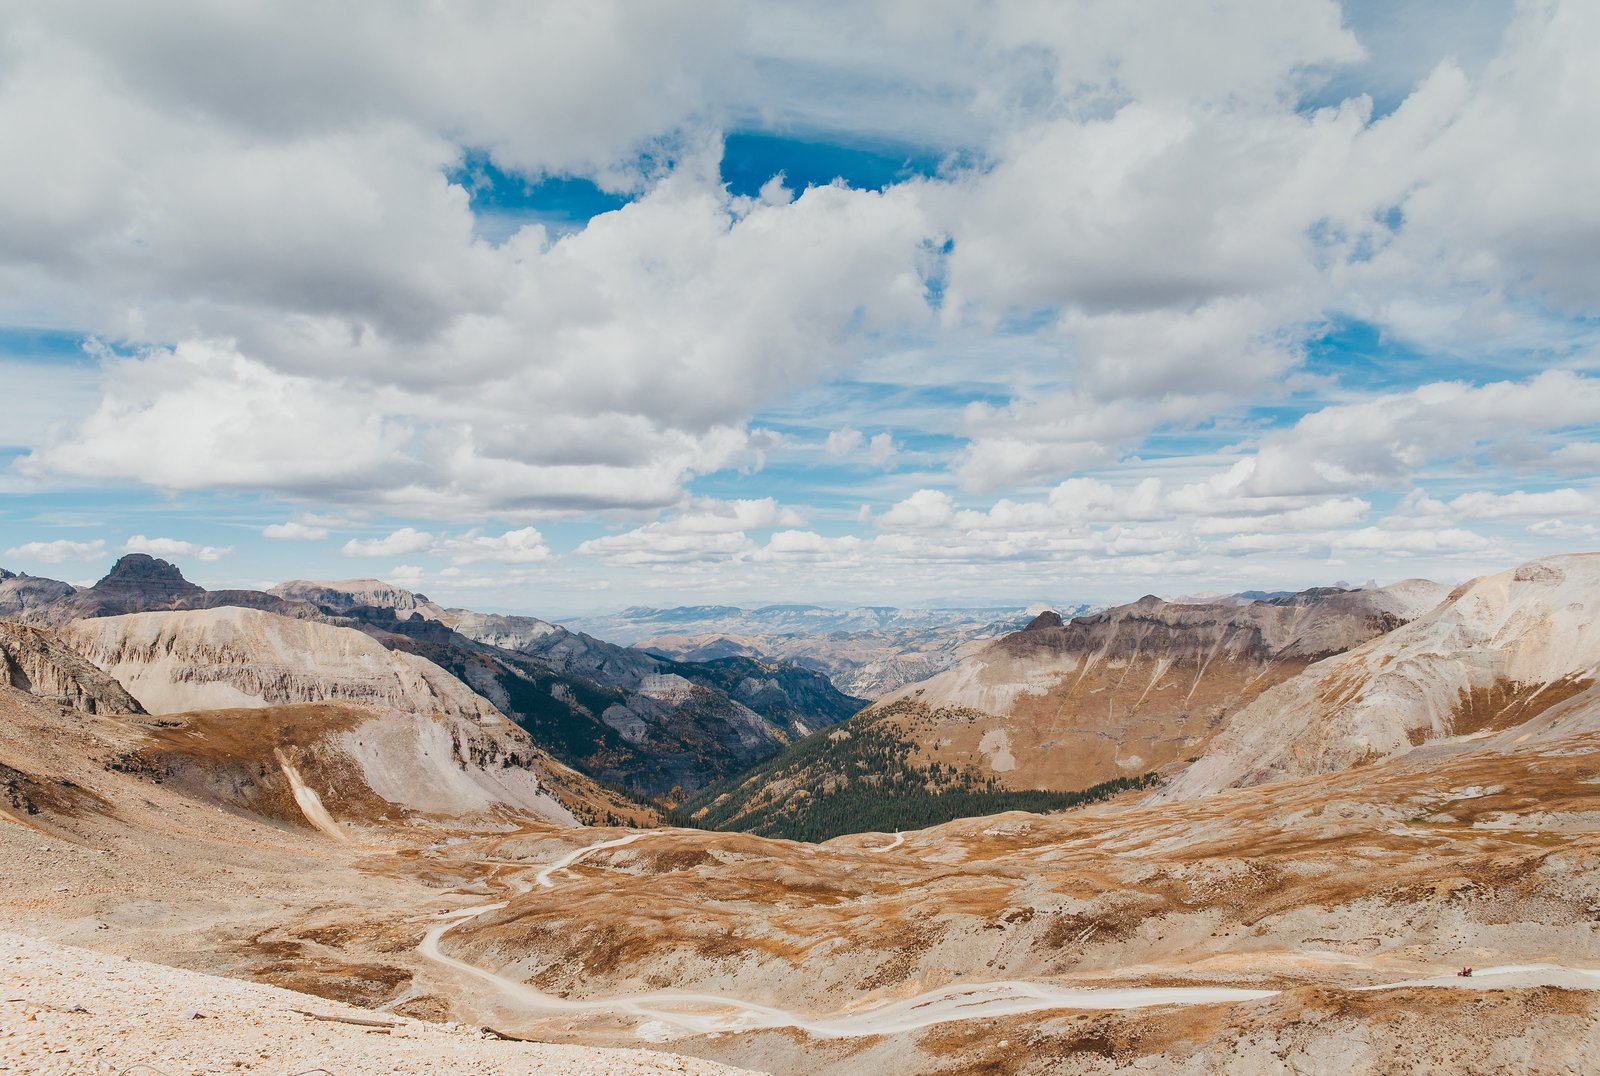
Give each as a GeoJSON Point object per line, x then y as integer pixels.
{"type": "Point", "coordinates": [399, 726]}
{"type": "Point", "coordinates": [37, 662]}
{"type": "Point", "coordinates": [207, 658]}
{"type": "Point", "coordinates": [74, 1008]}
{"type": "Point", "coordinates": [1512, 656]}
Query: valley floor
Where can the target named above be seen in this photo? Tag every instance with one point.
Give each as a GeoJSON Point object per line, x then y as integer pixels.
{"type": "Point", "coordinates": [1241, 933]}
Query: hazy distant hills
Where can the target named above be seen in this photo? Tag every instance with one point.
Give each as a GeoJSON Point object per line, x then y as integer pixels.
{"type": "Point", "coordinates": [866, 651]}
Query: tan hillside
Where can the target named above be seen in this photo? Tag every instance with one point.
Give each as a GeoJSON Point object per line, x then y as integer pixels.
{"type": "Point", "coordinates": [1135, 688]}
{"type": "Point", "coordinates": [1096, 704]}
{"type": "Point", "coordinates": [1228, 934]}
{"type": "Point", "coordinates": [1505, 652]}
{"type": "Point", "coordinates": [230, 656]}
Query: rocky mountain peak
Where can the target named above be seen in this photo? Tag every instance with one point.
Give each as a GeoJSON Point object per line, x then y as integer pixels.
{"type": "Point", "coordinates": [344, 596]}
{"type": "Point", "coordinates": [1047, 619]}
{"type": "Point", "coordinates": [139, 574]}
{"type": "Point", "coordinates": [4, 575]}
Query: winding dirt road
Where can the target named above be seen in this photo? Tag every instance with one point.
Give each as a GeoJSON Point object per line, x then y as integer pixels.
{"type": "Point", "coordinates": [706, 1013]}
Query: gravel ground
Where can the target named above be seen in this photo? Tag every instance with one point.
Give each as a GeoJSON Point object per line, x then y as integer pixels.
{"type": "Point", "coordinates": [66, 1011]}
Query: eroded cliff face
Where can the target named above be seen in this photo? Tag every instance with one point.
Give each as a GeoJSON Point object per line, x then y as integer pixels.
{"type": "Point", "coordinates": [1068, 704]}
{"type": "Point", "coordinates": [22, 597]}
{"type": "Point", "coordinates": [1514, 654]}
{"type": "Point", "coordinates": [136, 583]}
{"type": "Point", "coordinates": [344, 595]}
{"type": "Point", "coordinates": [35, 661]}
{"type": "Point", "coordinates": [231, 657]}
{"type": "Point", "coordinates": [1093, 703]}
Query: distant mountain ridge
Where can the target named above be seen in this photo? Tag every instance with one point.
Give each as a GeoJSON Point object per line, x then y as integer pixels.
{"type": "Point", "coordinates": [1065, 705]}
{"type": "Point", "coordinates": [658, 726]}
{"type": "Point", "coordinates": [867, 651]}
{"type": "Point", "coordinates": [139, 583]}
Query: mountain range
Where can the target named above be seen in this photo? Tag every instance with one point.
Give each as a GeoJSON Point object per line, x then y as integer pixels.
{"type": "Point", "coordinates": [651, 725]}
{"type": "Point", "coordinates": [867, 651]}
{"type": "Point", "coordinates": [1293, 820]}
{"type": "Point", "coordinates": [1059, 710]}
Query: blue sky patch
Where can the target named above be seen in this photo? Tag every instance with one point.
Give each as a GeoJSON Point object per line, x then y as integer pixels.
{"type": "Point", "coordinates": [751, 158]}
{"type": "Point", "coordinates": [504, 201]}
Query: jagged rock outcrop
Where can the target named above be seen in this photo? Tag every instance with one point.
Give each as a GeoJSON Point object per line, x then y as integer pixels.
{"type": "Point", "coordinates": [140, 583]}
{"type": "Point", "coordinates": [1505, 655]}
{"type": "Point", "coordinates": [342, 596]}
{"type": "Point", "coordinates": [231, 656]}
{"type": "Point", "coordinates": [22, 597]}
{"type": "Point", "coordinates": [34, 661]}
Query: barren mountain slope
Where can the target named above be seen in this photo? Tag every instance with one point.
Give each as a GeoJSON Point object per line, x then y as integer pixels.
{"type": "Point", "coordinates": [146, 840]}
{"type": "Point", "coordinates": [1502, 651]}
{"type": "Point", "coordinates": [432, 724]}
{"type": "Point", "coordinates": [196, 841]}
{"type": "Point", "coordinates": [35, 661]}
{"type": "Point", "coordinates": [1057, 707]}
{"type": "Point", "coordinates": [656, 726]}
{"type": "Point", "coordinates": [231, 656]}
{"type": "Point", "coordinates": [21, 596]}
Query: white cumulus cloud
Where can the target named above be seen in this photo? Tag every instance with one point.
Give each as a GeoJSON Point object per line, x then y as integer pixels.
{"type": "Point", "coordinates": [174, 547]}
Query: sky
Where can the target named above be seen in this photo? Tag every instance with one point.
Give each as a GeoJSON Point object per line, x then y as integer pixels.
{"type": "Point", "coordinates": [565, 308]}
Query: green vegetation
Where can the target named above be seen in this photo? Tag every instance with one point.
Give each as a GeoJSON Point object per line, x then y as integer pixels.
{"type": "Point", "coordinates": [864, 776]}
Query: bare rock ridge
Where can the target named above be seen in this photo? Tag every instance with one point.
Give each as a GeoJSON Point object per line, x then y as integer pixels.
{"type": "Point", "coordinates": [141, 583]}
{"type": "Point", "coordinates": [22, 596]}
{"type": "Point", "coordinates": [347, 595]}
{"type": "Point", "coordinates": [1067, 706]}
{"type": "Point", "coordinates": [34, 661]}
{"type": "Point", "coordinates": [1047, 619]}
{"type": "Point", "coordinates": [657, 726]}
{"type": "Point", "coordinates": [1511, 656]}
{"type": "Point", "coordinates": [141, 580]}
{"type": "Point", "coordinates": [232, 656]}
